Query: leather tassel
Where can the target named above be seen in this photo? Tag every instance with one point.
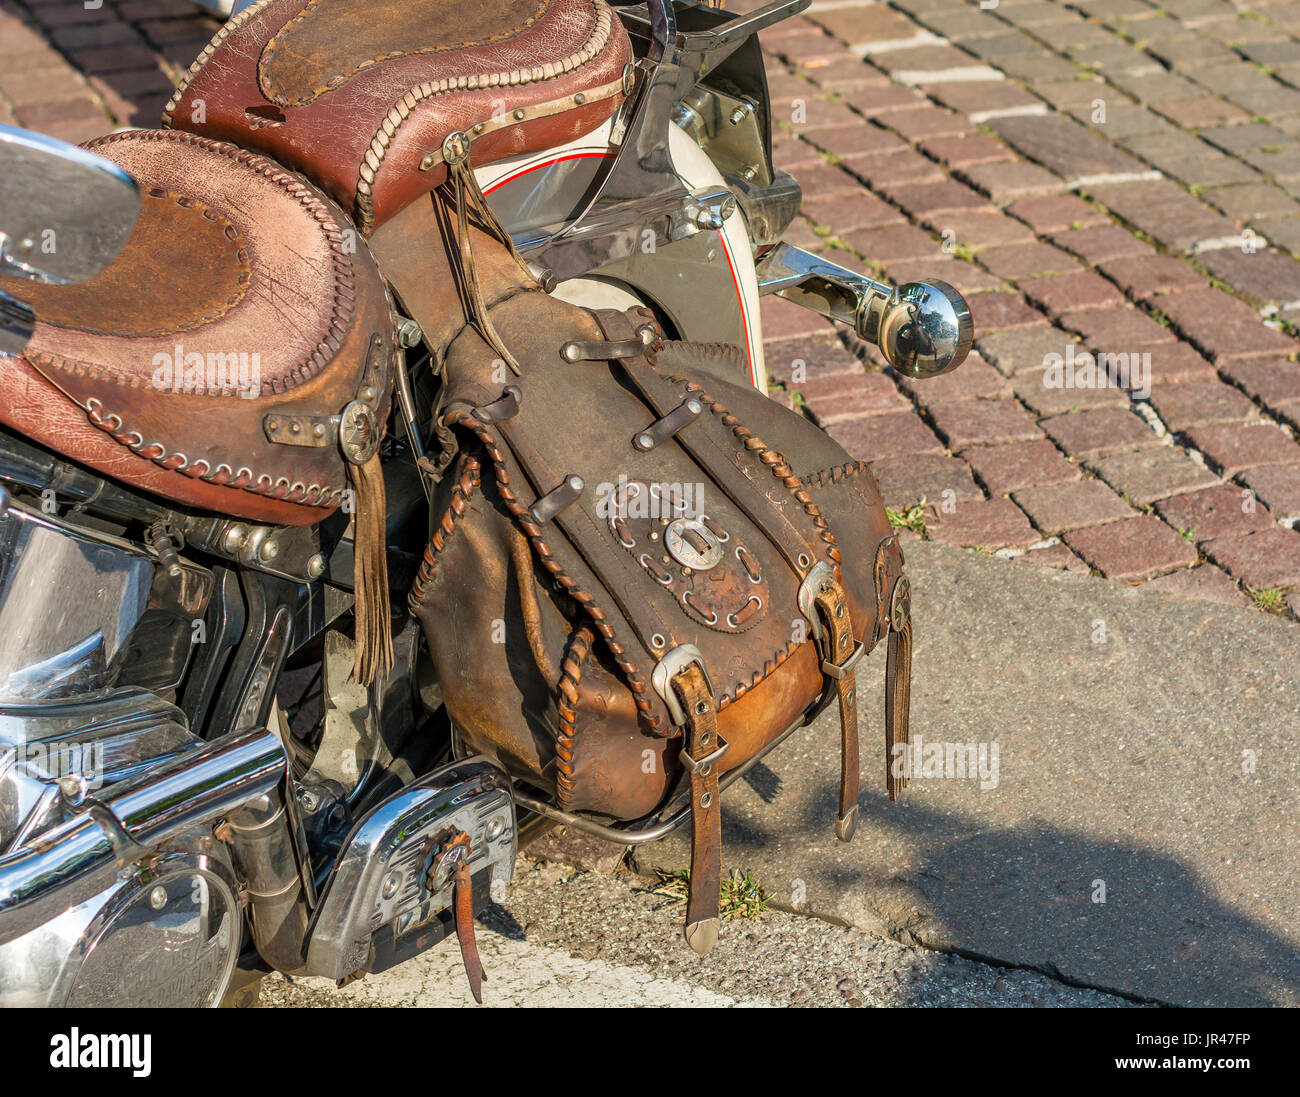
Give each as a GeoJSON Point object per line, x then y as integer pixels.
{"type": "Point", "coordinates": [374, 631]}
{"type": "Point", "coordinates": [466, 197]}
{"type": "Point", "coordinates": [898, 700]}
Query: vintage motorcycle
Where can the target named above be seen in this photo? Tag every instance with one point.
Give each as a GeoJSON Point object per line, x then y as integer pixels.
{"type": "Point", "coordinates": [223, 751]}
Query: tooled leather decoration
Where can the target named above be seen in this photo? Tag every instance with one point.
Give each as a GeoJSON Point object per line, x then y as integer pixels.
{"type": "Point", "coordinates": [776, 463]}
{"type": "Point", "coordinates": [222, 253]}
{"type": "Point", "coordinates": [713, 575]}
{"type": "Point", "coordinates": [343, 299]}
{"type": "Point", "coordinates": [202, 238]}
{"type": "Point", "coordinates": [341, 73]}
{"type": "Point", "coordinates": [273, 80]}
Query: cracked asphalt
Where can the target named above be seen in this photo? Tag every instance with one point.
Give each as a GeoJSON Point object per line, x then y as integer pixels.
{"type": "Point", "coordinates": [564, 937]}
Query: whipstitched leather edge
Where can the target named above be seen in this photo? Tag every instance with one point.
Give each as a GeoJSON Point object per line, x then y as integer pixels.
{"type": "Point", "coordinates": [462, 493]}
{"type": "Point", "coordinates": [402, 109]}
{"type": "Point", "coordinates": [312, 495]}
{"type": "Point", "coordinates": [566, 697]}
{"type": "Point", "coordinates": [226, 475]}
{"type": "Point", "coordinates": [343, 300]}
{"type": "Point", "coordinates": [636, 681]}
{"type": "Point", "coordinates": [222, 34]}
{"type": "Point", "coordinates": [776, 463]}
{"type": "Point", "coordinates": [823, 478]}
{"type": "Point", "coordinates": [268, 52]}
{"type": "Point", "coordinates": [228, 230]}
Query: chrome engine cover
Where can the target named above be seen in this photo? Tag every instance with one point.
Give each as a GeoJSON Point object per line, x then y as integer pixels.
{"type": "Point", "coordinates": [165, 934]}
{"type": "Point", "coordinates": [376, 902]}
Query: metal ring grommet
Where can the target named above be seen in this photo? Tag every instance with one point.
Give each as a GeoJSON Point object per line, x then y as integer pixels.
{"type": "Point", "coordinates": [712, 618]}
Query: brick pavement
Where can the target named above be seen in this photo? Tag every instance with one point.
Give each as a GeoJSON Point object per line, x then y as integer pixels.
{"type": "Point", "coordinates": [1115, 178]}
{"type": "Point", "coordinates": [1108, 177]}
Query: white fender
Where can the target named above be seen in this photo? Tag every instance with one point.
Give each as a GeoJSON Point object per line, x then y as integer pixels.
{"type": "Point", "coordinates": [697, 172]}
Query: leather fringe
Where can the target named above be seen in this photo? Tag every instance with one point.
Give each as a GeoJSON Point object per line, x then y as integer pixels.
{"type": "Point", "coordinates": [466, 198]}
{"type": "Point", "coordinates": [374, 622]}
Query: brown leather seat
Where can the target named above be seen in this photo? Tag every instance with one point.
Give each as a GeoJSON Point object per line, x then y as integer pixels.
{"type": "Point", "coordinates": [359, 95]}
{"type": "Point", "coordinates": [240, 307]}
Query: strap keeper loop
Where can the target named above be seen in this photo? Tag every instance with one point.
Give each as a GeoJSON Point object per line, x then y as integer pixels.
{"type": "Point", "coordinates": [842, 670]}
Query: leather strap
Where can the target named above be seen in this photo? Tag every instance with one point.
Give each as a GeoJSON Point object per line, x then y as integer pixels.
{"type": "Point", "coordinates": [898, 686]}
{"type": "Point", "coordinates": [701, 752]}
{"type": "Point", "coordinates": [840, 657]}
{"type": "Point", "coordinates": [731, 476]}
{"type": "Point", "coordinates": [456, 848]}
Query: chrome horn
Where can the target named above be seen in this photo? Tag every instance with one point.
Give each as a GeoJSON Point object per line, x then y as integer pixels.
{"type": "Point", "coordinates": [922, 328]}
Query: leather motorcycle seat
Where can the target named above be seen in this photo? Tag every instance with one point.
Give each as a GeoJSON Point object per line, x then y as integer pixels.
{"type": "Point", "coordinates": [205, 363]}
{"type": "Point", "coordinates": [360, 95]}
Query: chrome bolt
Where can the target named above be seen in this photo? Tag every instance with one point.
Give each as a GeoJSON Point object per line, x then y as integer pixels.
{"type": "Point", "coordinates": [158, 897]}
{"type": "Point", "coordinates": [316, 566]}
{"type": "Point", "coordinates": [409, 333]}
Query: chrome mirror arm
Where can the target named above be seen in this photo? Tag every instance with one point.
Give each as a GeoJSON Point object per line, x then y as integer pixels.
{"type": "Point", "coordinates": [922, 328]}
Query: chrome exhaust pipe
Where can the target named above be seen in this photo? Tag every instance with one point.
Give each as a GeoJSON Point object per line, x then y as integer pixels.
{"type": "Point", "coordinates": [265, 856]}
{"type": "Point", "coordinates": [922, 328]}
{"type": "Point", "coordinates": [80, 858]}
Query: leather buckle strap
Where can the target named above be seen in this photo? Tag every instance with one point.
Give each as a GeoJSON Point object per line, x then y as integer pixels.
{"type": "Point", "coordinates": [668, 668]}
{"type": "Point", "coordinates": [701, 749]}
{"type": "Point", "coordinates": [823, 602]}
{"type": "Point", "coordinates": [664, 428]}
{"type": "Point", "coordinates": [898, 685]}
{"type": "Point", "coordinates": [702, 766]}
{"type": "Point", "coordinates": [831, 670]}
{"type": "Point", "coordinates": [603, 351]}
{"type": "Point", "coordinates": [506, 406]}
{"type": "Point", "coordinates": [451, 863]}
{"type": "Point", "coordinates": [563, 495]}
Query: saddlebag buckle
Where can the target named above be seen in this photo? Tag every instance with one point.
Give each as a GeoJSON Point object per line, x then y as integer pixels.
{"type": "Point", "coordinates": [702, 765]}
{"type": "Point", "coordinates": [668, 668]}
{"type": "Point", "coordinates": [841, 670]}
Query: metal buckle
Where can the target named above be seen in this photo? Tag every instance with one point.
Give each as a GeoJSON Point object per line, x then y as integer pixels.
{"type": "Point", "coordinates": [839, 670]}
{"type": "Point", "coordinates": [818, 575]}
{"type": "Point", "coordinates": [708, 760]}
{"type": "Point", "coordinates": [668, 668]}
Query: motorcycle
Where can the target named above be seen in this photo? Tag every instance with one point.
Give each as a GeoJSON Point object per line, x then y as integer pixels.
{"type": "Point", "coordinates": [205, 772]}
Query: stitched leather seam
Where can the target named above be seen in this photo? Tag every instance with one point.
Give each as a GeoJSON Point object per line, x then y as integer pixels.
{"type": "Point", "coordinates": [461, 494]}
{"type": "Point", "coordinates": [268, 53]}
{"type": "Point", "coordinates": [777, 659]}
{"type": "Point", "coordinates": [635, 679]}
{"type": "Point", "coordinates": [343, 302]}
{"type": "Point", "coordinates": [241, 282]}
{"type": "Point", "coordinates": [243, 478]}
{"type": "Point", "coordinates": [566, 698]}
{"type": "Point", "coordinates": [402, 110]}
{"type": "Point", "coordinates": [775, 462]}
{"type": "Point", "coordinates": [833, 475]}
{"type": "Point", "coordinates": [217, 39]}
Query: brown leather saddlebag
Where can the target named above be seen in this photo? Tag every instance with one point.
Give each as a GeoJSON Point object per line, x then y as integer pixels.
{"type": "Point", "coordinates": [640, 575]}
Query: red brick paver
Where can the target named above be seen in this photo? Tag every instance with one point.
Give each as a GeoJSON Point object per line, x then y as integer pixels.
{"type": "Point", "coordinates": [1120, 177]}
